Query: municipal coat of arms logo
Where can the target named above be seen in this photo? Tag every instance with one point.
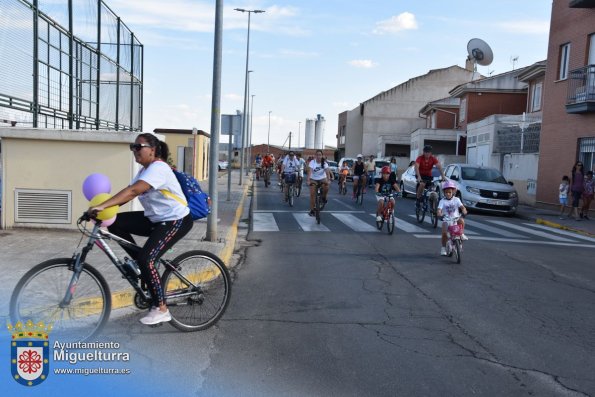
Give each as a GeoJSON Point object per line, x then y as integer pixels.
{"type": "Point", "coordinates": [29, 352]}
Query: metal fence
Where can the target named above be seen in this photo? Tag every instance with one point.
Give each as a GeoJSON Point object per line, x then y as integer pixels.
{"type": "Point", "coordinates": [69, 64]}
{"type": "Point", "coordinates": [513, 139]}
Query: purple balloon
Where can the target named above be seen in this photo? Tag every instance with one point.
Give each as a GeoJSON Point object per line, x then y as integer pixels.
{"type": "Point", "coordinates": [95, 184]}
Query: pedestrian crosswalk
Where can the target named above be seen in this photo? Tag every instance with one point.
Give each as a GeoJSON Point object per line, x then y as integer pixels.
{"type": "Point", "coordinates": [363, 222]}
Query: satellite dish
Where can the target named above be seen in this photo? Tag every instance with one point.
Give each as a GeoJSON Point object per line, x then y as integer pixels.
{"type": "Point", "coordinates": [479, 52]}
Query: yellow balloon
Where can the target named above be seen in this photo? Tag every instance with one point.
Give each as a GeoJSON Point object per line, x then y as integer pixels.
{"type": "Point", "coordinates": [107, 213]}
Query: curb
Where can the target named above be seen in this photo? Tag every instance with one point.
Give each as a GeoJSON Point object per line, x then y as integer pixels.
{"type": "Point", "coordinates": [544, 222]}
{"type": "Point", "coordinates": [230, 238]}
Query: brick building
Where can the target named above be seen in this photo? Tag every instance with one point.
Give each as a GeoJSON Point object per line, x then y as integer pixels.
{"type": "Point", "coordinates": [568, 126]}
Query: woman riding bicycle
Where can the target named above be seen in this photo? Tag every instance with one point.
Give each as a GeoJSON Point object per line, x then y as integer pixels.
{"type": "Point", "coordinates": [450, 206]}
{"type": "Point", "coordinates": [164, 220]}
{"type": "Point", "coordinates": [385, 185]}
{"type": "Point", "coordinates": [318, 172]}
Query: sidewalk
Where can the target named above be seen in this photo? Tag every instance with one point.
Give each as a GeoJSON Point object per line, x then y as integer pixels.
{"type": "Point", "coordinates": [21, 248]}
{"type": "Point", "coordinates": [552, 219]}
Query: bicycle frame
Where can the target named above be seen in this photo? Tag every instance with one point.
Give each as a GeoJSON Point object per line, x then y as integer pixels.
{"type": "Point", "coordinates": [99, 238]}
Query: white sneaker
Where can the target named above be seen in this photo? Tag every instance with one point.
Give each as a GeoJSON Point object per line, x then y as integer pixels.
{"type": "Point", "coordinates": [443, 251]}
{"type": "Point", "coordinates": [463, 237]}
{"type": "Point", "coordinates": [156, 316]}
{"type": "Point", "coordinates": [378, 218]}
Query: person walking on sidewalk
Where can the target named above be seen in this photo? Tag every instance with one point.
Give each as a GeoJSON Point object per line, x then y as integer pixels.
{"type": "Point", "coordinates": [371, 169]}
{"type": "Point", "coordinates": [577, 187]}
{"type": "Point", "coordinates": [587, 195]}
{"type": "Point", "coordinates": [563, 195]}
{"type": "Point", "coordinates": [164, 220]}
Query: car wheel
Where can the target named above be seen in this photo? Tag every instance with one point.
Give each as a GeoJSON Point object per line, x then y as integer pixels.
{"type": "Point", "coordinates": [403, 190]}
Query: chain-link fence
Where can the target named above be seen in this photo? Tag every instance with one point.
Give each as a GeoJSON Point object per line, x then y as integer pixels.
{"type": "Point", "coordinates": [68, 64]}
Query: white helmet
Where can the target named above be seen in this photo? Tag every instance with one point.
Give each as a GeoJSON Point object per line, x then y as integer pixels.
{"type": "Point", "coordinates": [360, 156]}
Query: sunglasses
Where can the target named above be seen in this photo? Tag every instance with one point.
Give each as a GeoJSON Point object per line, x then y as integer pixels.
{"type": "Point", "coordinates": [138, 146]}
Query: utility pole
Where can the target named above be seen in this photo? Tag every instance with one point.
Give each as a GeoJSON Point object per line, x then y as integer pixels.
{"type": "Point", "coordinates": [215, 124]}
{"type": "Point", "coordinates": [289, 140]}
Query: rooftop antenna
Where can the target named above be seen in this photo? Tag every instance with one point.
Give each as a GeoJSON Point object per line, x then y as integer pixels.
{"type": "Point", "coordinates": [513, 60]}
{"type": "Point", "coordinates": [479, 53]}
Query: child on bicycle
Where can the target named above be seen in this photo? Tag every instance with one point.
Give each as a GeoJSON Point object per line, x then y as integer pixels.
{"type": "Point", "coordinates": [343, 172]}
{"type": "Point", "coordinates": [385, 185]}
{"type": "Point", "coordinates": [452, 207]}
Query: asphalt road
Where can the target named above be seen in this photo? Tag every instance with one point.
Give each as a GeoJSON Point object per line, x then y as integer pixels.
{"type": "Point", "coordinates": [350, 311]}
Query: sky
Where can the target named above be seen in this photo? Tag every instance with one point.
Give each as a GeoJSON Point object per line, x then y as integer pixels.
{"type": "Point", "coordinates": [314, 57]}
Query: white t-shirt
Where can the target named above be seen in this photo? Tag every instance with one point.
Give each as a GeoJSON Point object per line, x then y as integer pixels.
{"type": "Point", "coordinates": [563, 190]}
{"type": "Point", "coordinates": [158, 207]}
{"type": "Point", "coordinates": [291, 165]}
{"type": "Point", "coordinates": [318, 172]}
{"type": "Point", "coordinates": [450, 208]}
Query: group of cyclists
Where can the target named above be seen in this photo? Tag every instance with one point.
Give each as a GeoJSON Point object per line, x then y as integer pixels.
{"type": "Point", "coordinates": [291, 168]}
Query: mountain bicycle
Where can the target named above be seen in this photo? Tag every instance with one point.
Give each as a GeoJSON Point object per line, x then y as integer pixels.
{"type": "Point", "coordinates": [343, 184]}
{"type": "Point", "coordinates": [318, 201]}
{"type": "Point", "coordinates": [428, 203]}
{"type": "Point", "coordinates": [388, 214]}
{"type": "Point", "coordinates": [74, 297]}
{"type": "Point", "coordinates": [454, 243]}
{"type": "Point", "coordinates": [298, 185]}
{"type": "Point", "coordinates": [267, 176]}
{"type": "Point", "coordinates": [289, 195]}
{"type": "Point", "coordinates": [360, 191]}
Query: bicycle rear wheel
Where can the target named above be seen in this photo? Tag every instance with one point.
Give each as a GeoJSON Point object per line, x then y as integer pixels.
{"type": "Point", "coordinates": [434, 212]}
{"type": "Point", "coordinates": [39, 294]}
{"type": "Point", "coordinates": [199, 297]}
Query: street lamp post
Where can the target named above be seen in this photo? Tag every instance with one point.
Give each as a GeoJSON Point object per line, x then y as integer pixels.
{"type": "Point", "coordinates": [245, 89]}
{"type": "Point", "coordinates": [250, 134]}
{"type": "Point", "coordinates": [269, 134]}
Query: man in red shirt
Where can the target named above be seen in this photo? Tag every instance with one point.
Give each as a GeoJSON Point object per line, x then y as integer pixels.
{"type": "Point", "coordinates": [423, 170]}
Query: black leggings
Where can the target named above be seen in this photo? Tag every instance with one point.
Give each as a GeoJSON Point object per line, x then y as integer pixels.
{"type": "Point", "coordinates": [161, 237]}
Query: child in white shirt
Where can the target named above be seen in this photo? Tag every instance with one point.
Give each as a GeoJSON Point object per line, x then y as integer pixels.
{"type": "Point", "coordinates": [563, 195]}
{"type": "Point", "coordinates": [451, 206]}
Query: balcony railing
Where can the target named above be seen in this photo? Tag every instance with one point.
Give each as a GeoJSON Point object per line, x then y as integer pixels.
{"type": "Point", "coordinates": [580, 97]}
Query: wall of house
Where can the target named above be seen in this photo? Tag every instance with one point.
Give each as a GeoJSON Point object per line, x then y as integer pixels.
{"type": "Point", "coordinates": [59, 161]}
{"type": "Point", "coordinates": [481, 105]}
{"type": "Point", "coordinates": [447, 120]}
{"type": "Point", "coordinates": [560, 131]}
{"type": "Point", "coordinates": [396, 111]}
{"type": "Point", "coordinates": [354, 133]}
{"type": "Point", "coordinates": [521, 169]}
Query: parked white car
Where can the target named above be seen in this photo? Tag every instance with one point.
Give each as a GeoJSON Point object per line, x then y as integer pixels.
{"type": "Point", "coordinates": [408, 182]}
{"type": "Point", "coordinates": [483, 188]}
{"type": "Point", "coordinates": [223, 165]}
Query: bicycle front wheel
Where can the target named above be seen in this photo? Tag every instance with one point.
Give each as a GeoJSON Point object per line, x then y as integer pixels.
{"type": "Point", "coordinates": [39, 296]}
{"type": "Point", "coordinates": [390, 223]}
{"type": "Point", "coordinates": [290, 195]}
{"type": "Point", "coordinates": [198, 294]}
{"type": "Point", "coordinates": [457, 250]}
{"type": "Point", "coordinates": [420, 213]}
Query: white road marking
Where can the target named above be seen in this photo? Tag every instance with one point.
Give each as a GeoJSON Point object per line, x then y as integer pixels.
{"type": "Point", "coordinates": [513, 240]}
{"type": "Point", "coordinates": [560, 231]}
{"type": "Point", "coordinates": [428, 220]}
{"type": "Point", "coordinates": [308, 223]}
{"type": "Point", "coordinates": [491, 229]}
{"type": "Point", "coordinates": [530, 231]}
{"type": "Point", "coordinates": [264, 222]}
{"type": "Point", "coordinates": [406, 227]}
{"type": "Point", "coordinates": [355, 223]}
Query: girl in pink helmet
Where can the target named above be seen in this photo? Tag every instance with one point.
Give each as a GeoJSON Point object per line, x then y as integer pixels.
{"type": "Point", "coordinates": [452, 207]}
